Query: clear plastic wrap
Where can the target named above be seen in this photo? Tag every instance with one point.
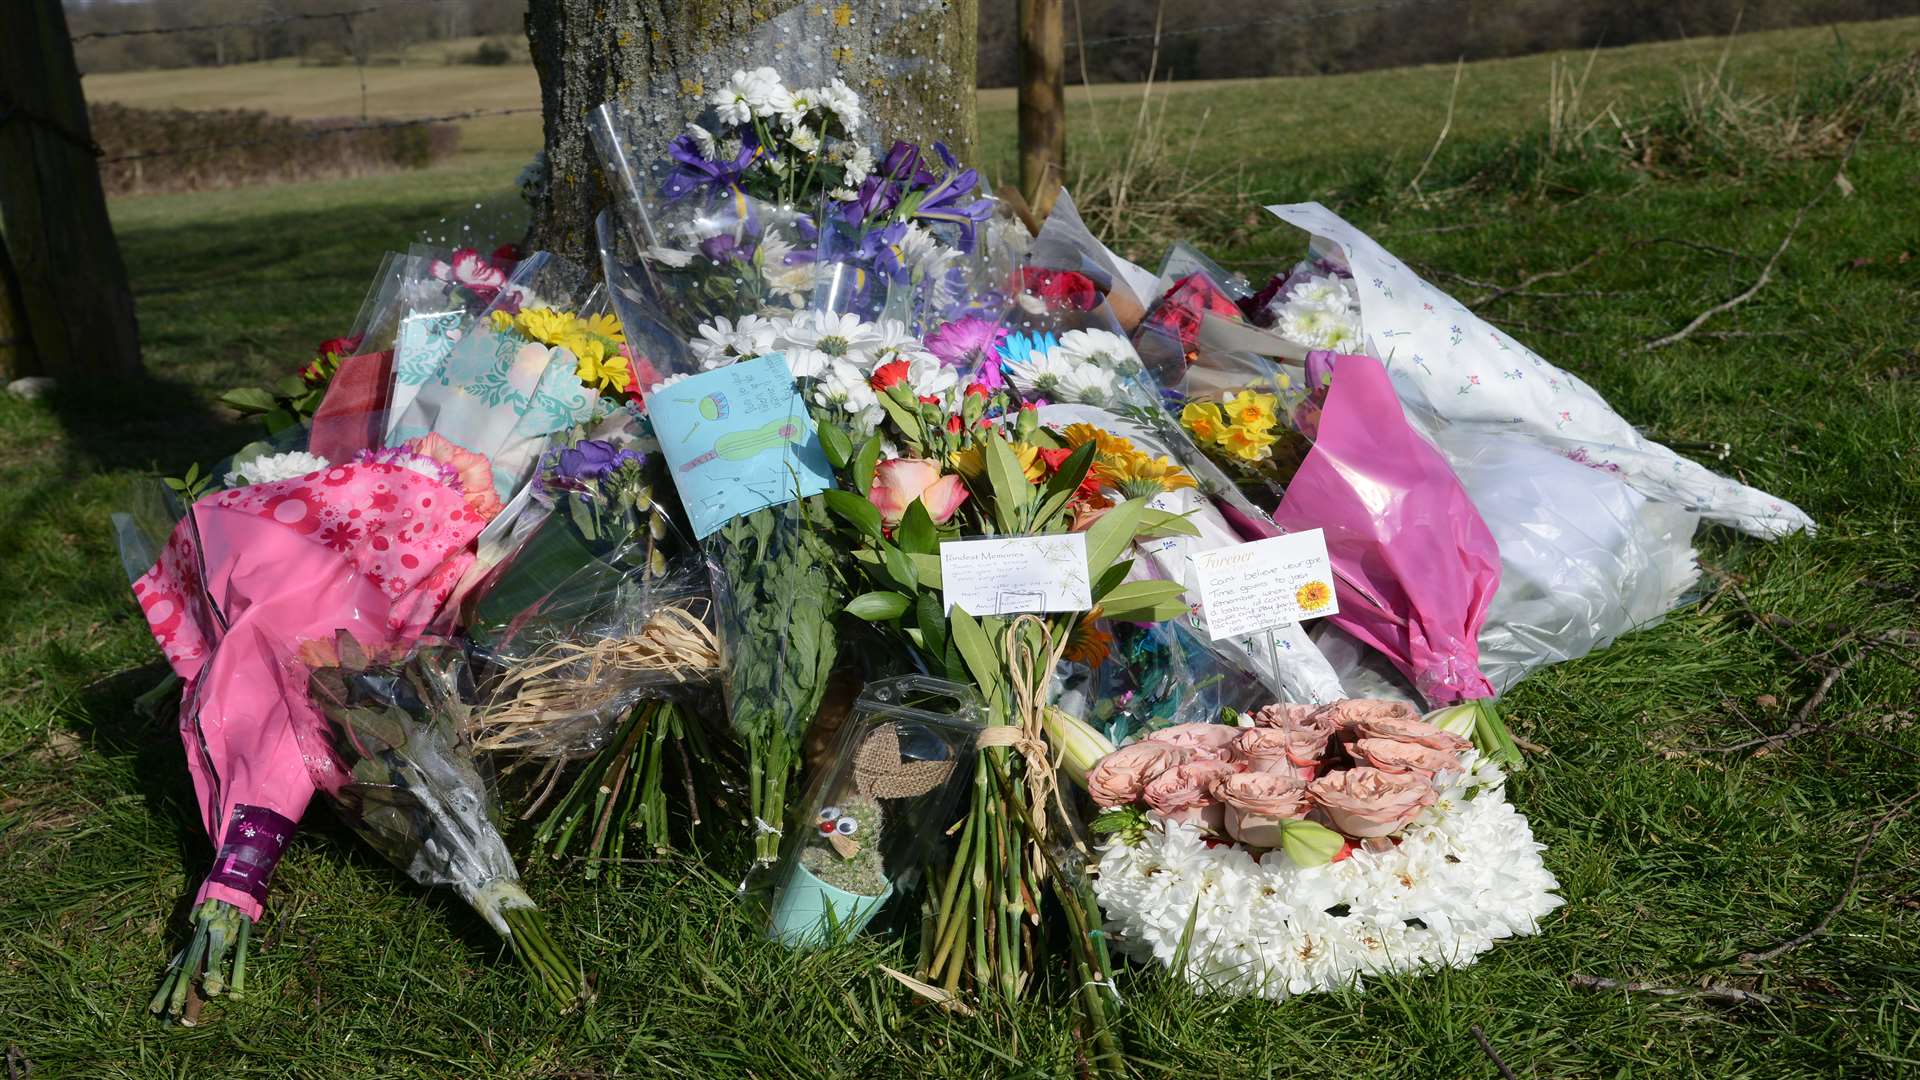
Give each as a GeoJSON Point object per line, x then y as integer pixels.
{"type": "Point", "coordinates": [874, 816]}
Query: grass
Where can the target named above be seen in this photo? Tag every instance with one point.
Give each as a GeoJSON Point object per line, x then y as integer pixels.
{"type": "Point", "coordinates": [1673, 861]}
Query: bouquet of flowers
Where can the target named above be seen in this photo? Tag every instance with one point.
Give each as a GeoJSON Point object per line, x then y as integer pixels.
{"type": "Point", "coordinates": [1308, 846]}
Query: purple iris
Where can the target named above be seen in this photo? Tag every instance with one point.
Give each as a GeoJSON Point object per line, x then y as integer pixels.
{"type": "Point", "coordinates": [692, 171]}
{"type": "Point", "coordinates": [880, 249]}
{"type": "Point", "coordinates": [576, 468]}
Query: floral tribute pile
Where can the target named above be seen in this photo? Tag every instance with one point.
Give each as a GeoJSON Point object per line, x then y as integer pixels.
{"type": "Point", "coordinates": [838, 520]}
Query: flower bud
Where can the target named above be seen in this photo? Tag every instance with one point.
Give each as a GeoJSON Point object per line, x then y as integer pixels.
{"type": "Point", "coordinates": [1079, 744]}
{"type": "Point", "coordinates": [1309, 843]}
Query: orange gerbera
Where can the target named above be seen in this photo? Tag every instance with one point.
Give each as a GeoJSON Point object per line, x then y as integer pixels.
{"type": "Point", "coordinates": [1088, 644]}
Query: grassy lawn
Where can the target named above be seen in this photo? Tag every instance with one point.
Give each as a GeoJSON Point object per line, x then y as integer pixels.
{"type": "Point", "coordinates": [1674, 860]}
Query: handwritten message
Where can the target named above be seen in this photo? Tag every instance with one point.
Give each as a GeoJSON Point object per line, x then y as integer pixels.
{"type": "Point", "coordinates": [1015, 574]}
{"type": "Point", "coordinates": [1248, 588]}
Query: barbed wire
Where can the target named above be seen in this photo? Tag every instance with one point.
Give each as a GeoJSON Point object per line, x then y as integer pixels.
{"type": "Point", "coordinates": [319, 133]}
{"type": "Point", "coordinates": [264, 20]}
{"type": "Point", "coordinates": [1283, 20]}
{"type": "Point", "coordinates": [11, 111]}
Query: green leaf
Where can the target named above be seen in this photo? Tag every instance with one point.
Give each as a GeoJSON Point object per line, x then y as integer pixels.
{"type": "Point", "coordinates": [900, 569]}
{"type": "Point", "coordinates": [907, 422]}
{"type": "Point", "coordinates": [932, 622]}
{"type": "Point", "coordinates": [855, 510]}
{"type": "Point", "coordinates": [977, 649]}
{"type": "Point", "coordinates": [1160, 523]}
{"type": "Point", "coordinates": [926, 568]}
{"type": "Point", "coordinates": [279, 420]}
{"type": "Point", "coordinates": [1130, 600]}
{"type": "Point", "coordinates": [877, 606]}
{"type": "Point", "coordinates": [1108, 538]}
{"type": "Point", "coordinates": [864, 462]}
{"type": "Point", "coordinates": [1061, 486]}
{"type": "Point", "coordinates": [1011, 492]}
{"type": "Point", "coordinates": [1111, 580]}
{"type": "Point", "coordinates": [915, 533]}
{"type": "Point", "coordinates": [839, 448]}
{"type": "Point", "coordinates": [250, 400]}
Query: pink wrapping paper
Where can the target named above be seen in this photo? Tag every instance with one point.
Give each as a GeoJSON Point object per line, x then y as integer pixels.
{"type": "Point", "coordinates": [1415, 566]}
{"type": "Point", "coordinates": [250, 575]}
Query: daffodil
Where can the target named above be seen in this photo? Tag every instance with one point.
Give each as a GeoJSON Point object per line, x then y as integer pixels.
{"type": "Point", "coordinates": [1251, 408]}
{"type": "Point", "coordinates": [1204, 420]}
{"type": "Point", "coordinates": [1248, 443]}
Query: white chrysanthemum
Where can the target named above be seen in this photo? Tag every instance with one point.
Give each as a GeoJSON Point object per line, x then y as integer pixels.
{"type": "Point", "coordinates": [845, 104]}
{"type": "Point", "coordinates": [666, 382]}
{"type": "Point", "coordinates": [859, 165]}
{"type": "Point", "coordinates": [1318, 327]}
{"type": "Point", "coordinates": [799, 103]}
{"type": "Point", "coordinates": [1327, 291]}
{"type": "Point", "coordinates": [270, 467]}
{"type": "Point", "coordinates": [1464, 876]}
{"type": "Point", "coordinates": [843, 336]}
{"type": "Point", "coordinates": [1040, 374]}
{"type": "Point", "coordinates": [742, 95]}
{"type": "Point", "coordinates": [1086, 384]}
{"type": "Point", "coordinates": [931, 378]}
{"type": "Point", "coordinates": [1101, 348]}
{"type": "Point", "coordinates": [723, 341]}
{"type": "Point", "coordinates": [702, 139]}
{"type": "Point", "coordinates": [843, 386]}
{"type": "Point", "coordinates": [805, 140]}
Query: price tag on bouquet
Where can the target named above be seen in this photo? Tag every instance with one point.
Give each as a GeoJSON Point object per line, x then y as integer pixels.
{"type": "Point", "coordinates": [738, 438]}
{"type": "Point", "coordinates": [1250, 588]}
{"type": "Point", "coordinates": [1013, 574]}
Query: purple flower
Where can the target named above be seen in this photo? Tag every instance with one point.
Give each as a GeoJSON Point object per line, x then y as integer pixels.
{"type": "Point", "coordinates": [578, 467]}
{"type": "Point", "coordinates": [969, 342]}
{"type": "Point", "coordinates": [691, 171]}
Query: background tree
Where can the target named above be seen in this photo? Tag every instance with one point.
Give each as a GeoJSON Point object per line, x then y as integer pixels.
{"type": "Point", "coordinates": [71, 281]}
{"type": "Point", "coordinates": [913, 62]}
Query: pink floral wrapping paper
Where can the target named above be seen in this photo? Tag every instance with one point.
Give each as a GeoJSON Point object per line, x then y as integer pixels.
{"type": "Point", "coordinates": [372, 548]}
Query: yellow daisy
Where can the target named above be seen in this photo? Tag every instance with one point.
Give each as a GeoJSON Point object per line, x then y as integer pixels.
{"type": "Point", "coordinates": [1313, 596]}
{"type": "Point", "coordinates": [972, 462]}
{"type": "Point", "coordinates": [604, 326]}
{"type": "Point", "coordinates": [1139, 476]}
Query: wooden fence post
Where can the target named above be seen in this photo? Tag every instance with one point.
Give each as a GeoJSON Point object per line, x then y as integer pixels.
{"type": "Point", "coordinates": [1043, 117]}
{"type": "Point", "coordinates": [72, 283]}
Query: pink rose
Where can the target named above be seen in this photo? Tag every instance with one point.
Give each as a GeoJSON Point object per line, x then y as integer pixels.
{"type": "Point", "coordinates": [1203, 740]}
{"type": "Point", "coordinates": [1366, 802]}
{"type": "Point", "coordinates": [899, 481]}
{"type": "Point", "coordinates": [1184, 793]}
{"type": "Point", "coordinates": [1286, 715]}
{"type": "Point", "coordinates": [1257, 802]}
{"type": "Point", "coordinates": [1284, 753]}
{"type": "Point", "coordinates": [1119, 778]}
{"type": "Point", "coordinates": [1394, 756]}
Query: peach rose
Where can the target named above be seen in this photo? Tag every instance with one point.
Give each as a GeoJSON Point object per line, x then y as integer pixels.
{"type": "Point", "coordinates": [1394, 756]}
{"type": "Point", "coordinates": [1257, 802]}
{"type": "Point", "coordinates": [899, 481]}
{"type": "Point", "coordinates": [1119, 778]}
{"type": "Point", "coordinates": [1366, 802]}
{"type": "Point", "coordinates": [1184, 793]}
{"type": "Point", "coordinates": [1297, 746]}
{"type": "Point", "coordinates": [1202, 740]}
{"type": "Point", "coordinates": [1287, 715]}
{"type": "Point", "coordinates": [1402, 725]}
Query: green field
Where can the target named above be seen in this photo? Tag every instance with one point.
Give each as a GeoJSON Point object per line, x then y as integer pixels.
{"type": "Point", "coordinates": [1674, 860]}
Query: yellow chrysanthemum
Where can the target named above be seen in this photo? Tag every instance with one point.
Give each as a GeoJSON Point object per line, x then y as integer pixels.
{"type": "Point", "coordinates": [1250, 408]}
{"type": "Point", "coordinates": [608, 374]}
{"type": "Point", "coordinates": [545, 325]}
{"type": "Point", "coordinates": [1204, 420]}
{"type": "Point", "coordinates": [502, 322]}
{"type": "Point", "coordinates": [604, 326]}
{"type": "Point", "coordinates": [1139, 476]}
{"type": "Point", "coordinates": [1248, 443]}
{"type": "Point", "coordinates": [972, 462]}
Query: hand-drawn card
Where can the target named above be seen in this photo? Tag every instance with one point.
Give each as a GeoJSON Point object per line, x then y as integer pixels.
{"type": "Point", "coordinates": [738, 439]}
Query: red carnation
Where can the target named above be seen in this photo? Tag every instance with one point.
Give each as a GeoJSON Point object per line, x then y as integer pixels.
{"type": "Point", "coordinates": [889, 375]}
{"type": "Point", "coordinates": [978, 390]}
{"type": "Point", "coordinates": [953, 425]}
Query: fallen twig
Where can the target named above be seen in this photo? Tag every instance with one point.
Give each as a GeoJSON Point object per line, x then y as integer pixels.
{"type": "Point", "coordinates": [1712, 992]}
{"type": "Point", "coordinates": [1493, 1055]}
{"type": "Point", "coordinates": [1772, 952]}
{"type": "Point", "coordinates": [1503, 291]}
{"type": "Point", "coordinates": [1766, 272]}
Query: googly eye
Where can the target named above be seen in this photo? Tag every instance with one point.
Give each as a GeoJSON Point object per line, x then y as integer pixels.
{"type": "Point", "coordinates": [829, 813]}
{"type": "Point", "coordinates": [846, 826]}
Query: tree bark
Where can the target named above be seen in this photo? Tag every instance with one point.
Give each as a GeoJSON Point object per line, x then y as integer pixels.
{"type": "Point", "coordinates": [912, 61]}
{"type": "Point", "coordinates": [72, 284]}
{"type": "Point", "coordinates": [1043, 105]}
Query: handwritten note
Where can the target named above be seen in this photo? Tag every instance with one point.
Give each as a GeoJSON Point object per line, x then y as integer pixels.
{"type": "Point", "coordinates": [1248, 588]}
{"type": "Point", "coordinates": [738, 439]}
{"type": "Point", "coordinates": [1017, 573]}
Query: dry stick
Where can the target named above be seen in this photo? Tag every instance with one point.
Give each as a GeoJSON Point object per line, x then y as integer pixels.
{"type": "Point", "coordinates": [1446, 126]}
{"type": "Point", "coordinates": [1715, 993]}
{"type": "Point", "coordinates": [1846, 895]}
{"type": "Point", "coordinates": [1802, 717]}
{"type": "Point", "coordinates": [1766, 272]}
{"type": "Point", "coordinates": [1534, 279]}
{"type": "Point", "coordinates": [1492, 1054]}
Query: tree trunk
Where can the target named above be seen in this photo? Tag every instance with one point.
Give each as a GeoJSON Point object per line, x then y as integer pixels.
{"type": "Point", "coordinates": [912, 61]}
{"type": "Point", "coordinates": [73, 286]}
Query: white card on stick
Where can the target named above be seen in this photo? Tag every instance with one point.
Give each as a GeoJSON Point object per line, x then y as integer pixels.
{"type": "Point", "coordinates": [1016, 573]}
{"type": "Point", "coordinates": [1253, 587]}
